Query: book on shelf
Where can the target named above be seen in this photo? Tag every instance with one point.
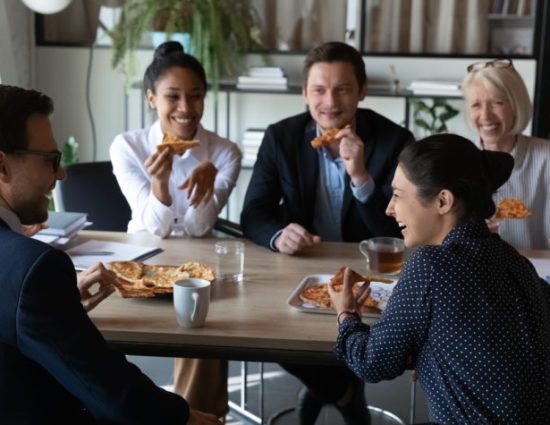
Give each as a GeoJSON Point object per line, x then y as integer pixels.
{"type": "Point", "coordinates": [261, 86]}
{"type": "Point", "coordinates": [263, 78]}
{"type": "Point", "coordinates": [64, 223]}
{"type": "Point", "coordinates": [434, 84]}
{"type": "Point", "coordinates": [250, 150]}
{"type": "Point", "coordinates": [246, 79]}
{"type": "Point", "coordinates": [437, 92]}
{"type": "Point", "coordinates": [496, 7]}
{"type": "Point", "coordinates": [436, 87]}
{"type": "Point", "coordinates": [251, 141]}
{"type": "Point", "coordinates": [248, 160]}
{"type": "Point", "coordinates": [252, 137]}
{"type": "Point", "coordinates": [510, 7]}
{"type": "Point", "coordinates": [266, 71]}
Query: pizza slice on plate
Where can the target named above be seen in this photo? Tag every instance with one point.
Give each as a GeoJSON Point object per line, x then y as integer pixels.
{"type": "Point", "coordinates": [318, 296]}
{"type": "Point", "coordinates": [137, 280]}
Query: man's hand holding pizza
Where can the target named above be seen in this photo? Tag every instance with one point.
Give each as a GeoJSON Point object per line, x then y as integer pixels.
{"type": "Point", "coordinates": [352, 151]}
{"type": "Point", "coordinates": [294, 238]}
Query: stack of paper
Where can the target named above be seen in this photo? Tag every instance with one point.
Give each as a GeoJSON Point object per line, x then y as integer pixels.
{"type": "Point", "coordinates": [91, 252]}
{"type": "Point", "coordinates": [436, 88]}
{"type": "Point", "coordinates": [252, 139]}
{"type": "Point", "coordinates": [263, 78]}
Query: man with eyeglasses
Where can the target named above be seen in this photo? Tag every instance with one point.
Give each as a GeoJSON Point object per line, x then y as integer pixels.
{"type": "Point", "coordinates": [55, 367]}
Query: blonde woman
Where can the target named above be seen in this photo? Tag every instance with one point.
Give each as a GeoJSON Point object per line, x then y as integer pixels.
{"type": "Point", "coordinates": [499, 109]}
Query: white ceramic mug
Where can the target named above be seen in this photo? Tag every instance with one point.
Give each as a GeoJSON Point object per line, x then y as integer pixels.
{"type": "Point", "coordinates": [191, 301]}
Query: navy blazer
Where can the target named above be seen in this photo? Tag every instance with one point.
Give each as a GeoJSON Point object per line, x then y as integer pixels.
{"type": "Point", "coordinates": [284, 180]}
{"type": "Point", "coordinates": [55, 367]}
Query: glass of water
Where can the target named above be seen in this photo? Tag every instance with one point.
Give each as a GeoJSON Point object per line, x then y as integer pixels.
{"type": "Point", "coordinates": [230, 261]}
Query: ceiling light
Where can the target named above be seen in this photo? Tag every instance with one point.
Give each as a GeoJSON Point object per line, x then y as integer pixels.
{"type": "Point", "coordinates": [46, 6]}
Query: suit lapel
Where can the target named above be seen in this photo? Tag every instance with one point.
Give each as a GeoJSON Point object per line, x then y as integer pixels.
{"type": "Point", "coordinates": [362, 131]}
{"type": "Point", "coordinates": [308, 171]}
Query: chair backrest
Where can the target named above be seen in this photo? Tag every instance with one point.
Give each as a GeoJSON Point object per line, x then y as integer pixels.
{"type": "Point", "coordinates": [92, 188]}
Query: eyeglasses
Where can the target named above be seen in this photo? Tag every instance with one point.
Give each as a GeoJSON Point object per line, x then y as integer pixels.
{"type": "Point", "coordinates": [495, 63]}
{"type": "Point", "coordinates": [54, 156]}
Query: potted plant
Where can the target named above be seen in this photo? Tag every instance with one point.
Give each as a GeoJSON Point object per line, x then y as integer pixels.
{"type": "Point", "coordinates": [433, 118]}
{"type": "Point", "coordinates": [220, 31]}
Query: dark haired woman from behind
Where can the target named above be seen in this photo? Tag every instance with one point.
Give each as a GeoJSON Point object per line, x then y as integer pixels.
{"type": "Point", "coordinates": [469, 313]}
{"type": "Point", "coordinates": [173, 195]}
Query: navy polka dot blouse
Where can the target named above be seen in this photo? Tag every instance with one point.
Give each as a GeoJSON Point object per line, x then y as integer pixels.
{"type": "Point", "coordinates": [473, 318]}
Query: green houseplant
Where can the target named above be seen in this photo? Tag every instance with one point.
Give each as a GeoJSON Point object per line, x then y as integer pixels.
{"type": "Point", "coordinates": [221, 31]}
{"type": "Point", "coordinates": [433, 118]}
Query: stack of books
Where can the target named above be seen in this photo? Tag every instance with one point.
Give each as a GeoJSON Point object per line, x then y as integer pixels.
{"type": "Point", "coordinates": [62, 226]}
{"type": "Point", "coordinates": [251, 141]}
{"type": "Point", "coordinates": [436, 88]}
{"type": "Point", "coordinates": [263, 78]}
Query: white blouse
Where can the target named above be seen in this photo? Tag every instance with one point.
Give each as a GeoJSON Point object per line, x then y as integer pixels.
{"type": "Point", "coordinates": [529, 182]}
{"type": "Point", "coordinates": [128, 154]}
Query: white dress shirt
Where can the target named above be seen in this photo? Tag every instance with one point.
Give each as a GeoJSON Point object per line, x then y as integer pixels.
{"type": "Point", "coordinates": [129, 152]}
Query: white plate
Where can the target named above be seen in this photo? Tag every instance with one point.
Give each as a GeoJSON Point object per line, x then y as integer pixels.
{"type": "Point", "coordinates": [379, 291]}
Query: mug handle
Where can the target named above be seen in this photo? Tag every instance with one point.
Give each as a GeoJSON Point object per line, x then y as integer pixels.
{"type": "Point", "coordinates": [363, 250]}
{"type": "Point", "coordinates": [195, 297]}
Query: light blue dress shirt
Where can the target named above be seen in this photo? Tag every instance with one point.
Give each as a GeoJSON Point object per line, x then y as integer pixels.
{"type": "Point", "coordinates": [327, 221]}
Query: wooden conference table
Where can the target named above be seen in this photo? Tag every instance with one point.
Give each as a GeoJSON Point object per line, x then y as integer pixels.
{"type": "Point", "coordinates": [246, 321]}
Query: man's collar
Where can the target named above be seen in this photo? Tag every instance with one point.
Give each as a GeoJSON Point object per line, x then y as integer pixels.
{"type": "Point", "coordinates": [10, 219]}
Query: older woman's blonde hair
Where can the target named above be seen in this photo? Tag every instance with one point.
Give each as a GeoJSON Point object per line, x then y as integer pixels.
{"type": "Point", "coordinates": [505, 83]}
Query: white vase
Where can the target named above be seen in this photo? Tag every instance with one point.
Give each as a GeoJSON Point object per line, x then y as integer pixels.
{"type": "Point", "coordinates": [184, 38]}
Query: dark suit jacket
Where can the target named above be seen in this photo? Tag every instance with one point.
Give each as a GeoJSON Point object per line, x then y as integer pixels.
{"type": "Point", "coordinates": [284, 181]}
{"type": "Point", "coordinates": [55, 367]}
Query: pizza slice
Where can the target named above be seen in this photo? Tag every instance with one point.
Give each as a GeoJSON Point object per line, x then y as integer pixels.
{"type": "Point", "coordinates": [198, 270]}
{"type": "Point", "coordinates": [317, 294]}
{"type": "Point", "coordinates": [512, 208]}
{"type": "Point", "coordinates": [162, 277]}
{"type": "Point", "coordinates": [325, 139]}
{"type": "Point", "coordinates": [176, 144]}
{"type": "Point", "coordinates": [338, 278]}
{"type": "Point", "coordinates": [137, 280]}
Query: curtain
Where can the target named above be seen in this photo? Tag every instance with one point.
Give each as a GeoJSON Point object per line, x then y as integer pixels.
{"type": "Point", "coordinates": [15, 44]}
{"type": "Point", "coordinates": [427, 26]}
{"type": "Point", "coordinates": [301, 24]}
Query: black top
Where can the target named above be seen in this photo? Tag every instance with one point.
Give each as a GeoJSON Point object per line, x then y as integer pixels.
{"type": "Point", "coordinates": [474, 317]}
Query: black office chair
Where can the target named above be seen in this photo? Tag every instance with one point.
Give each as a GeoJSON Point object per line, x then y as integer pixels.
{"type": "Point", "coordinates": [92, 188]}
{"type": "Point", "coordinates": [227, 227]}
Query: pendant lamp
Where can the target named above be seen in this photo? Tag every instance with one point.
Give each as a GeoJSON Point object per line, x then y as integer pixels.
{"type": "Point", "coordinates": [46, 6]}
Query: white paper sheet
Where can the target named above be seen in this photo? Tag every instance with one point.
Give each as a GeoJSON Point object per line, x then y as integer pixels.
{"type": "Point", "coordinates": [119, 252]}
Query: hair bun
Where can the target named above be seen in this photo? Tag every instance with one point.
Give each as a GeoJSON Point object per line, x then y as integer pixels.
{"type": "Point", "coordinates": [498, 167]}
{"type": "Point", "coordinates": [167, 48]}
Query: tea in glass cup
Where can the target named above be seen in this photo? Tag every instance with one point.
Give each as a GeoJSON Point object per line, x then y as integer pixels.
{"type": "Point", "coordinates": [384, 254]}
